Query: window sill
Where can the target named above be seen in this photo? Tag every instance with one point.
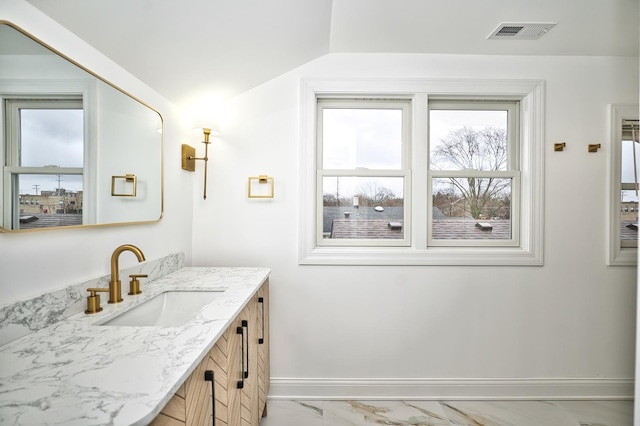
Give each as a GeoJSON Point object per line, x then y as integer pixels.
{"type": "Point", "coordinates": [449, 256]}
{"type": "Point", "coordinates": [624, 257]}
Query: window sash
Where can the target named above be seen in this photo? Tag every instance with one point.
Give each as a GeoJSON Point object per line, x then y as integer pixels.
{"type": "Point", "coordinates": [12, 150]}
{"type": "Point", "coordinates": [619, 252]}
{"type": "Point", "coordinates": [403, 104]}
{"type": "Point", "coordinates": [514, 241]}
{"type": "Point", "coordinates": [485, 104]}
{"type": "Point", "coordinates": [399, 242]}
{"type": "Point", "coordinates": [513, 164]}
{"type": "Point", "coordinates": [365, 103]}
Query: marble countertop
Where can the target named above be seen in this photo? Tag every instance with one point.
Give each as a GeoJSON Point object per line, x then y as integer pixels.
{"type": "Point", "coordinates": [77, 373]}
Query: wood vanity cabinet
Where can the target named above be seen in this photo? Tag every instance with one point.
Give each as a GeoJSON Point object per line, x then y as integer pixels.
{"type": "Point", "coordinates": [240, 364]}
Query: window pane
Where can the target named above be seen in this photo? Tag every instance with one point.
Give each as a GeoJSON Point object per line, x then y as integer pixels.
{"type": "Point", "coordinates": [363, 207]}
{"type": "Point", "coordinates": [51, 137]}
{"type": "Point", "coordinates": [627, 169]}
{"type": "Point", "coordinates": [362, 138]}
{"type": "Point", "coordinates": [44, 202]}
{"type": "Point", "coordinates": [628, 218]}
{"type": "Point", "coordinates": [459, 204]}
{"type": "Point", "coordinates": [465, 139]}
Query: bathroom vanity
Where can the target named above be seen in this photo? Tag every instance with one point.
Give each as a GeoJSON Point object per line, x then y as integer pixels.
{"type": "Point", "coordinates": [90, 369]}
{"type": "Point", "coordinates": [231, 383]}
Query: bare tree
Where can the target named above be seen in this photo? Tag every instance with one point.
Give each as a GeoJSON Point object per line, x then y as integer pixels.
{"type": "Point", "coordinates": [374, 195]}
{"type": "Point", "coordinates": [469, 149]}
{"type": "Point", "coordinates": [329, 200]}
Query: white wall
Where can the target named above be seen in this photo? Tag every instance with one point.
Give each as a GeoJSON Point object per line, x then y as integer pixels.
{"type": "Point", "coordinates": [572, 319]}
{"type": "Point", "coordinates": [31, 263]}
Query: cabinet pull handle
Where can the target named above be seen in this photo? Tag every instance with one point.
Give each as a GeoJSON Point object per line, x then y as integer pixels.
{"type": "Point", "coordinates": [240, 331]}
{"type": "Point", "coordinates": [209, 377]}
{"type": "Point", "coordinates": [261, 301]}
{"type": "Point", "coordinates": [245, 323]}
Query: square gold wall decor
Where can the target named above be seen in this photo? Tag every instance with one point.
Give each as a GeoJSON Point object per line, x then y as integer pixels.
{"type": "Point", "coordinates": [260, 187]}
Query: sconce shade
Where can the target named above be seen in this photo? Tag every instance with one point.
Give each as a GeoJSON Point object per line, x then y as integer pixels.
{"type": "Point", "coordinates": [214, 129]}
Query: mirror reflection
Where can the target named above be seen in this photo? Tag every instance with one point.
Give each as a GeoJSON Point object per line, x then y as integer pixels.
{"type": "Point", "coordinates": [75, 150]}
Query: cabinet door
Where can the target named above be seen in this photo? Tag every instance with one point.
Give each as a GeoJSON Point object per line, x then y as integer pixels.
{"type": "Point", "coordinates": [235, 371]}
{"type": "Point", "coordinates": [249, 393]}
{"type": "Point", "coordinates": [192, 404]}
{"type": "Point", "coordinates": [198, 401]}
{"type": "Point", "coordinates": [241, 372]}
{"type": "Point", "coordinates": [218, 362]}
{"type": "Point", "coordinates": [264, 372]}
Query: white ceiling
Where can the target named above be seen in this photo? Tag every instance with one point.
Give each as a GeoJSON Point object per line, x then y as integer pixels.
{"type": "Point", "coordinates": [192, 48]}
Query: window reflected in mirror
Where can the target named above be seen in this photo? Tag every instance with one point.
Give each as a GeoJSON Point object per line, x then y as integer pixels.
{"type": "Point", "coordinates": [45, 158]}
{"type": "Point", "coordinates": [630, 159]}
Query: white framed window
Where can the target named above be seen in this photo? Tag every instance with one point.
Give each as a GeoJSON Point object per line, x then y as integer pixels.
{"type": "Point", "coordinates": [43, 161]}
{"type": "Point", "coordinates": [474, 173]}
{"type": "Point", "coordinates": [425, 173]}
{"type": "Point", "coordinates": [363, 172]}
{"type": "Point", "coordinates": [623, 185]}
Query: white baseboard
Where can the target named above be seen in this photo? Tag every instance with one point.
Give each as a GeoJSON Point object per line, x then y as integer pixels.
{"type": "Point", "coordinates": [438, 389]}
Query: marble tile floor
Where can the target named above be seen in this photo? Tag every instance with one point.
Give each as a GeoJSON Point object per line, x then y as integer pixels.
{"type": "Point", "coordinates": [449, 413]}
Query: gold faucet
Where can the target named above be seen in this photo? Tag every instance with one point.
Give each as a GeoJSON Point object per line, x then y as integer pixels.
{"type": "Point", "coordinates": [115, 286]}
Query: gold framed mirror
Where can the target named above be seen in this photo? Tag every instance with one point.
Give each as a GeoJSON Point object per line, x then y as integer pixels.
{"type": "Point", "coordinates": [66, 133]}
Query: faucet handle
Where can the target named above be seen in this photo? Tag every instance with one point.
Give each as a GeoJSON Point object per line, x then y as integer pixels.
{"type": "Point", "coordinates": [134, 285]}
{"type": "Point", "coordinates": [93, 300]}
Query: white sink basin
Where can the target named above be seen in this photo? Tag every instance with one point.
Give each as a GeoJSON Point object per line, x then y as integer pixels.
{"type": "Point", "coordinates": [167, 309]}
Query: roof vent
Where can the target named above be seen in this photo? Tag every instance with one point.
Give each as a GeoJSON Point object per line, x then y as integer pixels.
{"type": "Point", "coordinates": [485, 226]}
{"type": "Point", "coordinates": [520, 31]}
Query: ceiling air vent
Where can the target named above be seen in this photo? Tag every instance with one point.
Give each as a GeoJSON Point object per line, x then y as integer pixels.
{"type": "Point", "coordinates": [519, 31]}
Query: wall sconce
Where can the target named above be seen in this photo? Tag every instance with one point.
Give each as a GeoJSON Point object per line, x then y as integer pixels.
{"type": "Point", "coordinates": [189, 154]}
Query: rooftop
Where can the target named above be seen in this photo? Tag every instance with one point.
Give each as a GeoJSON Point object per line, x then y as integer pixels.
{"type": "Point", "coordinates": [49, 220]}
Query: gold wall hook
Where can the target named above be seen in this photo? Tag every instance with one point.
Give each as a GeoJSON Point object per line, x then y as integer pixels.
{"type": "Point", "coordinates": [559, 146]}
{"type": "Point", "coordinates": [594, 147]}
